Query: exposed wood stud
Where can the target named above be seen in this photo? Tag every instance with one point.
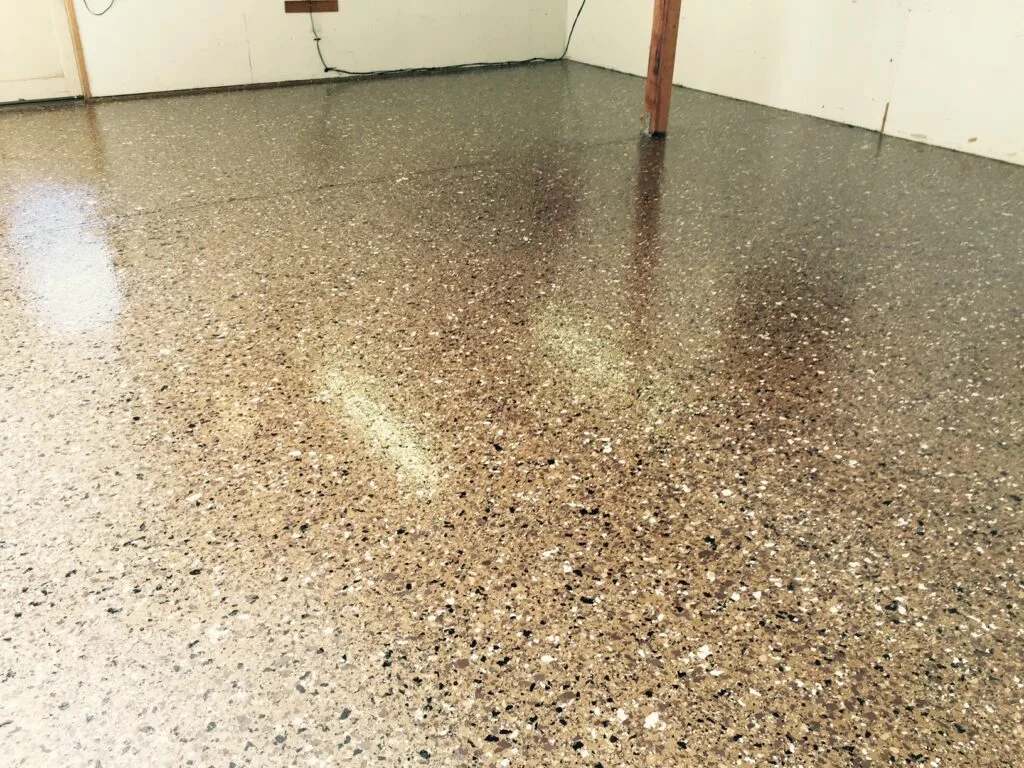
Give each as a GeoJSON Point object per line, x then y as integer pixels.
{"type": "Point", "coordinates": [658, 96]}
{"type": "Point", "coordinates": [76, 43]}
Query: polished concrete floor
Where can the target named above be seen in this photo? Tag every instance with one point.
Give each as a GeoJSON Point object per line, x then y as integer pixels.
{"type": "Point", "coordinates": [447, 421]}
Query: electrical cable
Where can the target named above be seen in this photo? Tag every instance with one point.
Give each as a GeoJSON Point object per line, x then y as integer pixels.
{"type": "Point", "coordinates": [90, 10]}
{"type": "Point", "coordinates": [448, 68]}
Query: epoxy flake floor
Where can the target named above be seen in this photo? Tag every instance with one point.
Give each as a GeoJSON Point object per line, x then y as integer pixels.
{"type": "Point", "coordinates": [446, 421]}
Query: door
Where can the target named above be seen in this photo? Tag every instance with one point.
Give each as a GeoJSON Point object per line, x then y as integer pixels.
{"type": "Point", "coordinates": [37, 60]}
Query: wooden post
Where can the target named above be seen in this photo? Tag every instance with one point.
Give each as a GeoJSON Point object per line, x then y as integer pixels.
{"type": "Point", "coordinates": [664, 34]}
{"type": "Point", "coordinates": [76, 42]}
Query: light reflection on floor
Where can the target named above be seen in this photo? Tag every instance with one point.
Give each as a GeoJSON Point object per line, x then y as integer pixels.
{"type": "Point", "coordinates": [64, 264]}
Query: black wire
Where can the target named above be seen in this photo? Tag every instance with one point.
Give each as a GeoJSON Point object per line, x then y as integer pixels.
{"type": "Point", "coordinates": [448, 68]}
{"type": "Point", "coordinates": [568, 40]}
{"type": "Point", "coordinates": [90, 10]}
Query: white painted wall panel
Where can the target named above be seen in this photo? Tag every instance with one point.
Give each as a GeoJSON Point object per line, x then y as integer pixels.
{"type": "Point", "coordinates": [960, 78]}
{"type": "Point", "coordinates": [830, 58]}
{"type": "Point", "coordinates": [950, 69]}
{"type": "Point", "coordinates": [142, 46]}
{"type": "Point", "coordinates": [614, 34]}
{"type": "Point", "coordinates": [37, 60]}
{"type": "Point", "coordinates": [147, 45]}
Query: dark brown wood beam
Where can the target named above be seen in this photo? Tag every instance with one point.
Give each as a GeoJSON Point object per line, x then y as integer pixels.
{"type": "Point", "coordinates": [305, 6]}
{"type": "Point", "coordinates": [664, 34]}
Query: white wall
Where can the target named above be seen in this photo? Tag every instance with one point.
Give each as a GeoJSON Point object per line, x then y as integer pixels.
{"type": "Point", "coordinates": [950, 69]}
{"type": "Point", "coordinates": [37, 58]}
{"type": "Point", "coordinates": [142, 46]}
{"type": "Point", "coordinates": [958, 77]}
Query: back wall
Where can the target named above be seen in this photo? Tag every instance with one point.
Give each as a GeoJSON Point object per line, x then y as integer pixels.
{"type": "Point", "coordinates": [948, 69]}
{"type": "Point", "coordinates": [143, 46]}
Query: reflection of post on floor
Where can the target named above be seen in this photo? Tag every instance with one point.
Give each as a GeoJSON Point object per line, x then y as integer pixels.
{"type": "Point", "coordinates": [650, 165]}
{"type": "Point", "coordinates": [661, 64]}
{"type": "Point", "coordinates": [95, 136]}
{"type": "Point", "coordinates": [646, 232]}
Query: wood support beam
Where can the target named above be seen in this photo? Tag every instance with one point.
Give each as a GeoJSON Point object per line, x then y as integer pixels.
{"type": "Point", "coordinates": [664, 34]}
{"type": "Point", "coordinates": [76, 42]}
{"type": "Point", "coordinates": [311, 6]}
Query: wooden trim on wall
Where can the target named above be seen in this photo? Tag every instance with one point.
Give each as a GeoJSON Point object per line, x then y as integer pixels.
{"type": "Point", "coordinates": [307, 6]}
{"type": "Point", "coordinates": [76, 43]}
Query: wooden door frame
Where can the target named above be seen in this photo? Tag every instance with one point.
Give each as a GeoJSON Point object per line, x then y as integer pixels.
{"type": "Point", "coordinates": [76, 43]}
